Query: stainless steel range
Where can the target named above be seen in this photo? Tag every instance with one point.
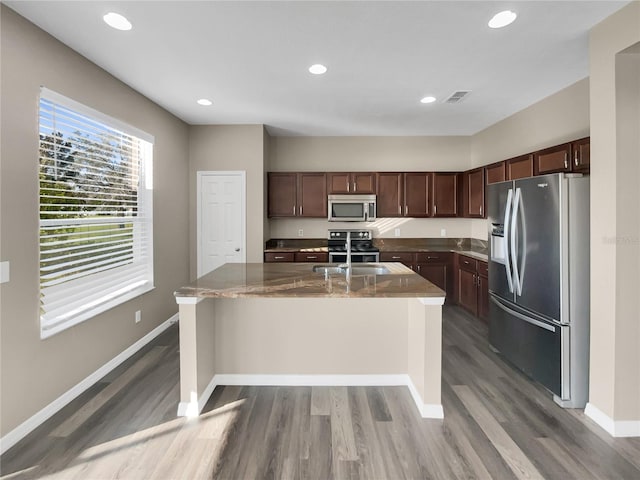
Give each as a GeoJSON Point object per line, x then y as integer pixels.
{"type": "Point", "coordinates": [362, 249]}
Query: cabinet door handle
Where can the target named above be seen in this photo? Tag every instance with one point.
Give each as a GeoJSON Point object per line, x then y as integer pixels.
{"type": "Point", "coordinates": [435, 209]}
{"type": "Point", "coordinates": [294, 209]}
{"type": "Point", "coordinates": [406, 209]}
{"type": "Point", "coordinates": [418, 267]}
{"type": "Point", "coordinates": [465, 262]}
{"type": "Point", "coordinates": [474, 281]}
{"type": "Point", "coordinates": [311, 257]}
{"type": "Point", "coordinates": [399, 210]}
{"type": "Point", "coordinates": [300, 210]}
{"type": "Point", "coordinates": [348, 186]}
{"type": "Point", "coordinates": [432, 258]}
{"type": "Point", "coordinates": [480, 210]}
{"type": "Point", "coordinates": [355, 187]}
{"type": "Point", "coordinates": [575, 158]}
{"type": "Point", "coordinates": [566, 164]}
{"type": "Point", "coordinates": [278, 258]}
{"type": "Point", "coordinates": [395, 258]}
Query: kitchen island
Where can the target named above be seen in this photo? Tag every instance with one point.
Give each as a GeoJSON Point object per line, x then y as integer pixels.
{"type": "Point", "coordinates": [286, 324]}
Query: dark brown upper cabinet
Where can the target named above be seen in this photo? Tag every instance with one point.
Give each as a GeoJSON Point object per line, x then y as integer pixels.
{"type": "Point", "coordinates": [496, 172]}
{"type": "Point", "coordinates": [520, 167]}
{"type": "Point", "coordinates": [473, 193]}
{"type": "Point", "coordinates": [581, 155]}
{"type": "Point", "coordinates": [351, 182]}
{"type": "Point", "coordinates": [552, 160]}
{"type": "Point", "coordinates": [417, 194]}
{"type": "Point", "coordinates": [283, 194]}
{"type": "Point", "coordinates": [445, 194]}
{"type": "Point", "coordinates": [297, 195]}
{"type": "Point", "coordinates": [390, 194]}
{"type": "Point", "coordinates": [312, 195]}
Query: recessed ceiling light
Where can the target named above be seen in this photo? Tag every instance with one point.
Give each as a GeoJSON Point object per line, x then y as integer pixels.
{"type": "Point", "coordinates": [502, 19]}
{"type": "Point", "coordinates": [117, 21]}
{"type": "Point", "coordinates": [428, 100]}
{"type": "Point", "coordinates": [205, 102]}
{"type": "Point", "coordinates": [317, 69]}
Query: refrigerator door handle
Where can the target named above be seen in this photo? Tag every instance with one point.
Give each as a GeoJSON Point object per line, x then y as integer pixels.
{"type": "Point", "coordinates": [514, 251]}
{"type": "Point", "coordinates": [522, 317]}
{"type": "Point", "coordinates": [507, 261]}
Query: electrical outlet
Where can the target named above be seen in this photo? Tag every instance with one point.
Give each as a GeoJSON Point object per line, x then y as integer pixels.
{"type": "Point", "coordinates": [396, 232]}
{"type": "Point", "coordinates": [301, 233]}
{"type": "Point", "coordinates": [443, 232]}
{"type": "Point", "coordinates": [138, 316]}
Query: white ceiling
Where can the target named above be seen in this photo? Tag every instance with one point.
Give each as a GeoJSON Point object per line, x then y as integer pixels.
{"type": "Point", "coordinates": [251, 59]}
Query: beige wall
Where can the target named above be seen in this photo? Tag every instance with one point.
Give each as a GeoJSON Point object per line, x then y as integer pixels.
{"type": "Point", "coordinates": [369, 154]}
{"type": "Point", "coordinates": [231, 148]}
{"type": "Point", "coordinates": [376, 154]}
{"type": "Point", "coordinates": [615, 208]}
{"type": "Point", "coordinates": [35, 372]}
{"type": "Point", "coordinates": [323, 341]}
{"type": "Point", "coordinates": [559, 118]}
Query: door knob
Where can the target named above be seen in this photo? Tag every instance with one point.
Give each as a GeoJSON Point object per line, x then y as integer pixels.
{"type": "Point", "coordinates": [237, 249]}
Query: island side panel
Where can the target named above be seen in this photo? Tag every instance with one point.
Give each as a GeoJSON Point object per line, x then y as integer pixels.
{"type": "Point", "coordinates": [425, 356]}
{"type": "Point", "coordinates": [311, 336]}
{"type": "Point", "coordinates": [197, 354]}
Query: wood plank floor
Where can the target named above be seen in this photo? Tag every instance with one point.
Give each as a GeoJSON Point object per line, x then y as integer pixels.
{"type": "Point", "coordinates": [497, 425]}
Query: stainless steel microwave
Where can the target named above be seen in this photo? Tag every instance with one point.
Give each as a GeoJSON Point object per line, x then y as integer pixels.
{"type": "Point", "coordinates": [352, 208]}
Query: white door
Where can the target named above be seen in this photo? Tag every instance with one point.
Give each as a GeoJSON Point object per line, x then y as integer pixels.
{"type": "Point", "coordinates": [221, 219]}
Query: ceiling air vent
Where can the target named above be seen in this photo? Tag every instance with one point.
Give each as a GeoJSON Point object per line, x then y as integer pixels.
{"type": "Point", "coordinates": [457, 97]}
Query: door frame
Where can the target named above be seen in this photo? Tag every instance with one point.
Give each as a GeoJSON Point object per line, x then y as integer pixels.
{"type": "Point", "coordinates": [200, 176]}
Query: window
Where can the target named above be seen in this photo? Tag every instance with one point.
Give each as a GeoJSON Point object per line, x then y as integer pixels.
{"type": "Point", "coordinates": [96, 215]}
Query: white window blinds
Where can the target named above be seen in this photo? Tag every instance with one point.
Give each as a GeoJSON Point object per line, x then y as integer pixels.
{"type": "Point", "coordinates": [96, 215]}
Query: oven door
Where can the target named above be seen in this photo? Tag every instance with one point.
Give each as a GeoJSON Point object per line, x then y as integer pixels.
{"type": "Point", "coordinates": [356, 257]}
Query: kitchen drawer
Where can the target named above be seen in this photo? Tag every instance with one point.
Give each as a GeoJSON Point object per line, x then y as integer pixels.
{"type": "Point", "coordinates": [433, 257]}
{"type": "Point", "coordinates": [467, 263]}
{"type": "Point", "coordinates": [483, 268]}
{"type": "Point", "coordinates": [311, 257]}
{"type": "Point", "coordinates": [279, 257]}
{"type": "Point", "coordinates": [403, 257]}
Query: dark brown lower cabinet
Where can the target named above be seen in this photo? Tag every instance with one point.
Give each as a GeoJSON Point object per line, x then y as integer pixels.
{"type": "Point", "coordinates": [473, 286]}
{"type": "Point", "coordinates": [467, 291]}
{"type": "Point", "coordinates": [436, 267]}
{"type": "Point", "coordinates": [406, 258]}
{"type": "Point", "coordinates": [321, 257]}
{"type": "Point", "coordinates": [279, 257]}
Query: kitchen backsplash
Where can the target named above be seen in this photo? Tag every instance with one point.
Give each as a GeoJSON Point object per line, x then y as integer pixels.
{"type": "Point", "coordinates": [382, 227]}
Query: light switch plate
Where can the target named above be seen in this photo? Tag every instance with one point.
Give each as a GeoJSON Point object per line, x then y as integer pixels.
{"type": "Point", "coordinates": [301, 233]}
{"type": "Point", "coordinates": [396, 232]}
{"type": "Point", "coordinates": [443, 232]}
{"type": "Point", "coordinates": [4, 272]}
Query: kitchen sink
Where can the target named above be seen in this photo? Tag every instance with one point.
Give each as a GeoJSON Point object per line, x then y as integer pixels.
{"type": "Point", "coordinates": [362, 269]}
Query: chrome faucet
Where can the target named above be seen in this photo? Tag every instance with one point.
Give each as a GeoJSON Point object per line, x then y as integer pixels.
{"type": "Point", "coordinates": [349, 250]}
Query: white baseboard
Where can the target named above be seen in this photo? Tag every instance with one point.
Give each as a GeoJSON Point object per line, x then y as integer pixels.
{"type": "Point", "coordinates": [426, 410]}
{"type": "Point", "coordinates": [312, 380]}
{"type": "Point", "coordinates": [194, 407]}
{"type": "Point", "coordinates": [33, 422]}
{"type": "Point", "coordinates": [615, 428]}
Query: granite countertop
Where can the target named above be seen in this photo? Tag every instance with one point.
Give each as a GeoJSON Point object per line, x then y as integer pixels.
{"type": "Point", "coordinates": [245, 280]}
{"type": "Point", "coordinates": [474, 248]}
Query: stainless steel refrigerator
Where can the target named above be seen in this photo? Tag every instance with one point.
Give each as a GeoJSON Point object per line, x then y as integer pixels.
{"type": "Point", "coordinates": [539, 280]}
